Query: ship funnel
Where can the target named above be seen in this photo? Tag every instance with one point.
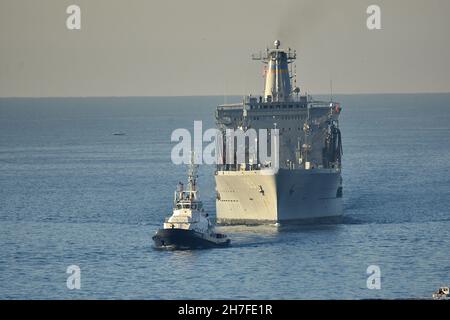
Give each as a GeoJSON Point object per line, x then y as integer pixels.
{"type": "Point", "coordinates": [277, 76]}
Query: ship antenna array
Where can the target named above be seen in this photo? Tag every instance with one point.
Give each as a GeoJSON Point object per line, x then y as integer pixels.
{"type": "Point", "coordinates": [295, 75]}
{"type": "Point", "coordinates": [265, 57]}
{"type": "Point", "coordinates": [192, 173]}
{"type": "Point", "coordinates": [331, 90]}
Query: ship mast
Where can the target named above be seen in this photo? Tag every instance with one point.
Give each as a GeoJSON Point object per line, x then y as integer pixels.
{"type": "Point", "coordinates": [192, 175]}
{"type": "Point", "coordinates": [306, 145]}
{"type": "Point", "coordinates": [278, 86]}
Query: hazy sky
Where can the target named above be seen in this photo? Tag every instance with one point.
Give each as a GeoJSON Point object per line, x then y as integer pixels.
{"type": "Point", "coordinates": [203, 47]}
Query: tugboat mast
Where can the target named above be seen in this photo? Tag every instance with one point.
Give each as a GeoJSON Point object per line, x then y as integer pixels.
{"type": "Point", "coordinates": [192, 175]}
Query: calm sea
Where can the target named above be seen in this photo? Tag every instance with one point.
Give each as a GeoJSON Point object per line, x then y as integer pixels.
{"type": "Point", "coordinates": [72, 193]}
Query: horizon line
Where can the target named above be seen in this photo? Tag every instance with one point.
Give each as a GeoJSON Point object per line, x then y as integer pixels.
{"type": "Point", "coordinates": [218, 95]}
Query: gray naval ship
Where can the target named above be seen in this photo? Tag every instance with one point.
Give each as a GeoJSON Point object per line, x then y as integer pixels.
{"type": "Point", "coordinates": [306, 185]}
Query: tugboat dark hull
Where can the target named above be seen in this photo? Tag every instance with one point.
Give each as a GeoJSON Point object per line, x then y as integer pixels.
{"type": "Point", "coordinates": [180, 239]}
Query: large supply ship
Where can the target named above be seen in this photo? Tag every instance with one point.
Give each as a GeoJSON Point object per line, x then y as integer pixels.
{"type": "Point", "coordinates": [304, 183]}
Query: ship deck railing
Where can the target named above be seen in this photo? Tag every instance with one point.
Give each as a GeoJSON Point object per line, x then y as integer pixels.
{"type": "Point", "coordinates": [284, 105]}
{"type": "Point", "coordinates": [258, 167]}
{"type": "Point", "coordinates": [186, 220]}
{"type": "Point", "coordinates": [241, 167]}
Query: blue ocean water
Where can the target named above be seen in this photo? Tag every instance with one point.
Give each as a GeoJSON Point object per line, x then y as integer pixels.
{"type": "Point", "coordinates": [71, 193]}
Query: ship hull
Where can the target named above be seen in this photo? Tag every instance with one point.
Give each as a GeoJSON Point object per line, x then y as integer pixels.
{"type": "Point", "coordinates": [286, 196]}
{"type": "Point", "coordinates": [180, 239]}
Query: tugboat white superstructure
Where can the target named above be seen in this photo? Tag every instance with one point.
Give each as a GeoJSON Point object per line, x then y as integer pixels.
{"type": "Point", "coordinates": [189, 226]}
{"type": "Point", "coordinates": [306, 184]}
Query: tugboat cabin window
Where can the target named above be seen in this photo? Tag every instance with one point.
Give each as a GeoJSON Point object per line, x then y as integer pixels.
{"type": "Point", "coordinates": [183, 206]}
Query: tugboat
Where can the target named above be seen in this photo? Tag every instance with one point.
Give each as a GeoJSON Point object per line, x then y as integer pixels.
{"type": "Point", "coordinates": [189, 226]}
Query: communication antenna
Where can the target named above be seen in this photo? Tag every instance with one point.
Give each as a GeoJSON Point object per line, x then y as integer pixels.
{"type": "Point", "coordinates": [295, 75]}
{"type": "Point", "coordinates": [331, 90]}
{"type": "Point", "coordinates": [264, 76]}
{"type": "Point", "coordinates": [225, 91]}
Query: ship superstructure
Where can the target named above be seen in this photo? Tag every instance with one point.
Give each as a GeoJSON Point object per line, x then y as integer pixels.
{"type": "Point", "coordinates": [306, 182]}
